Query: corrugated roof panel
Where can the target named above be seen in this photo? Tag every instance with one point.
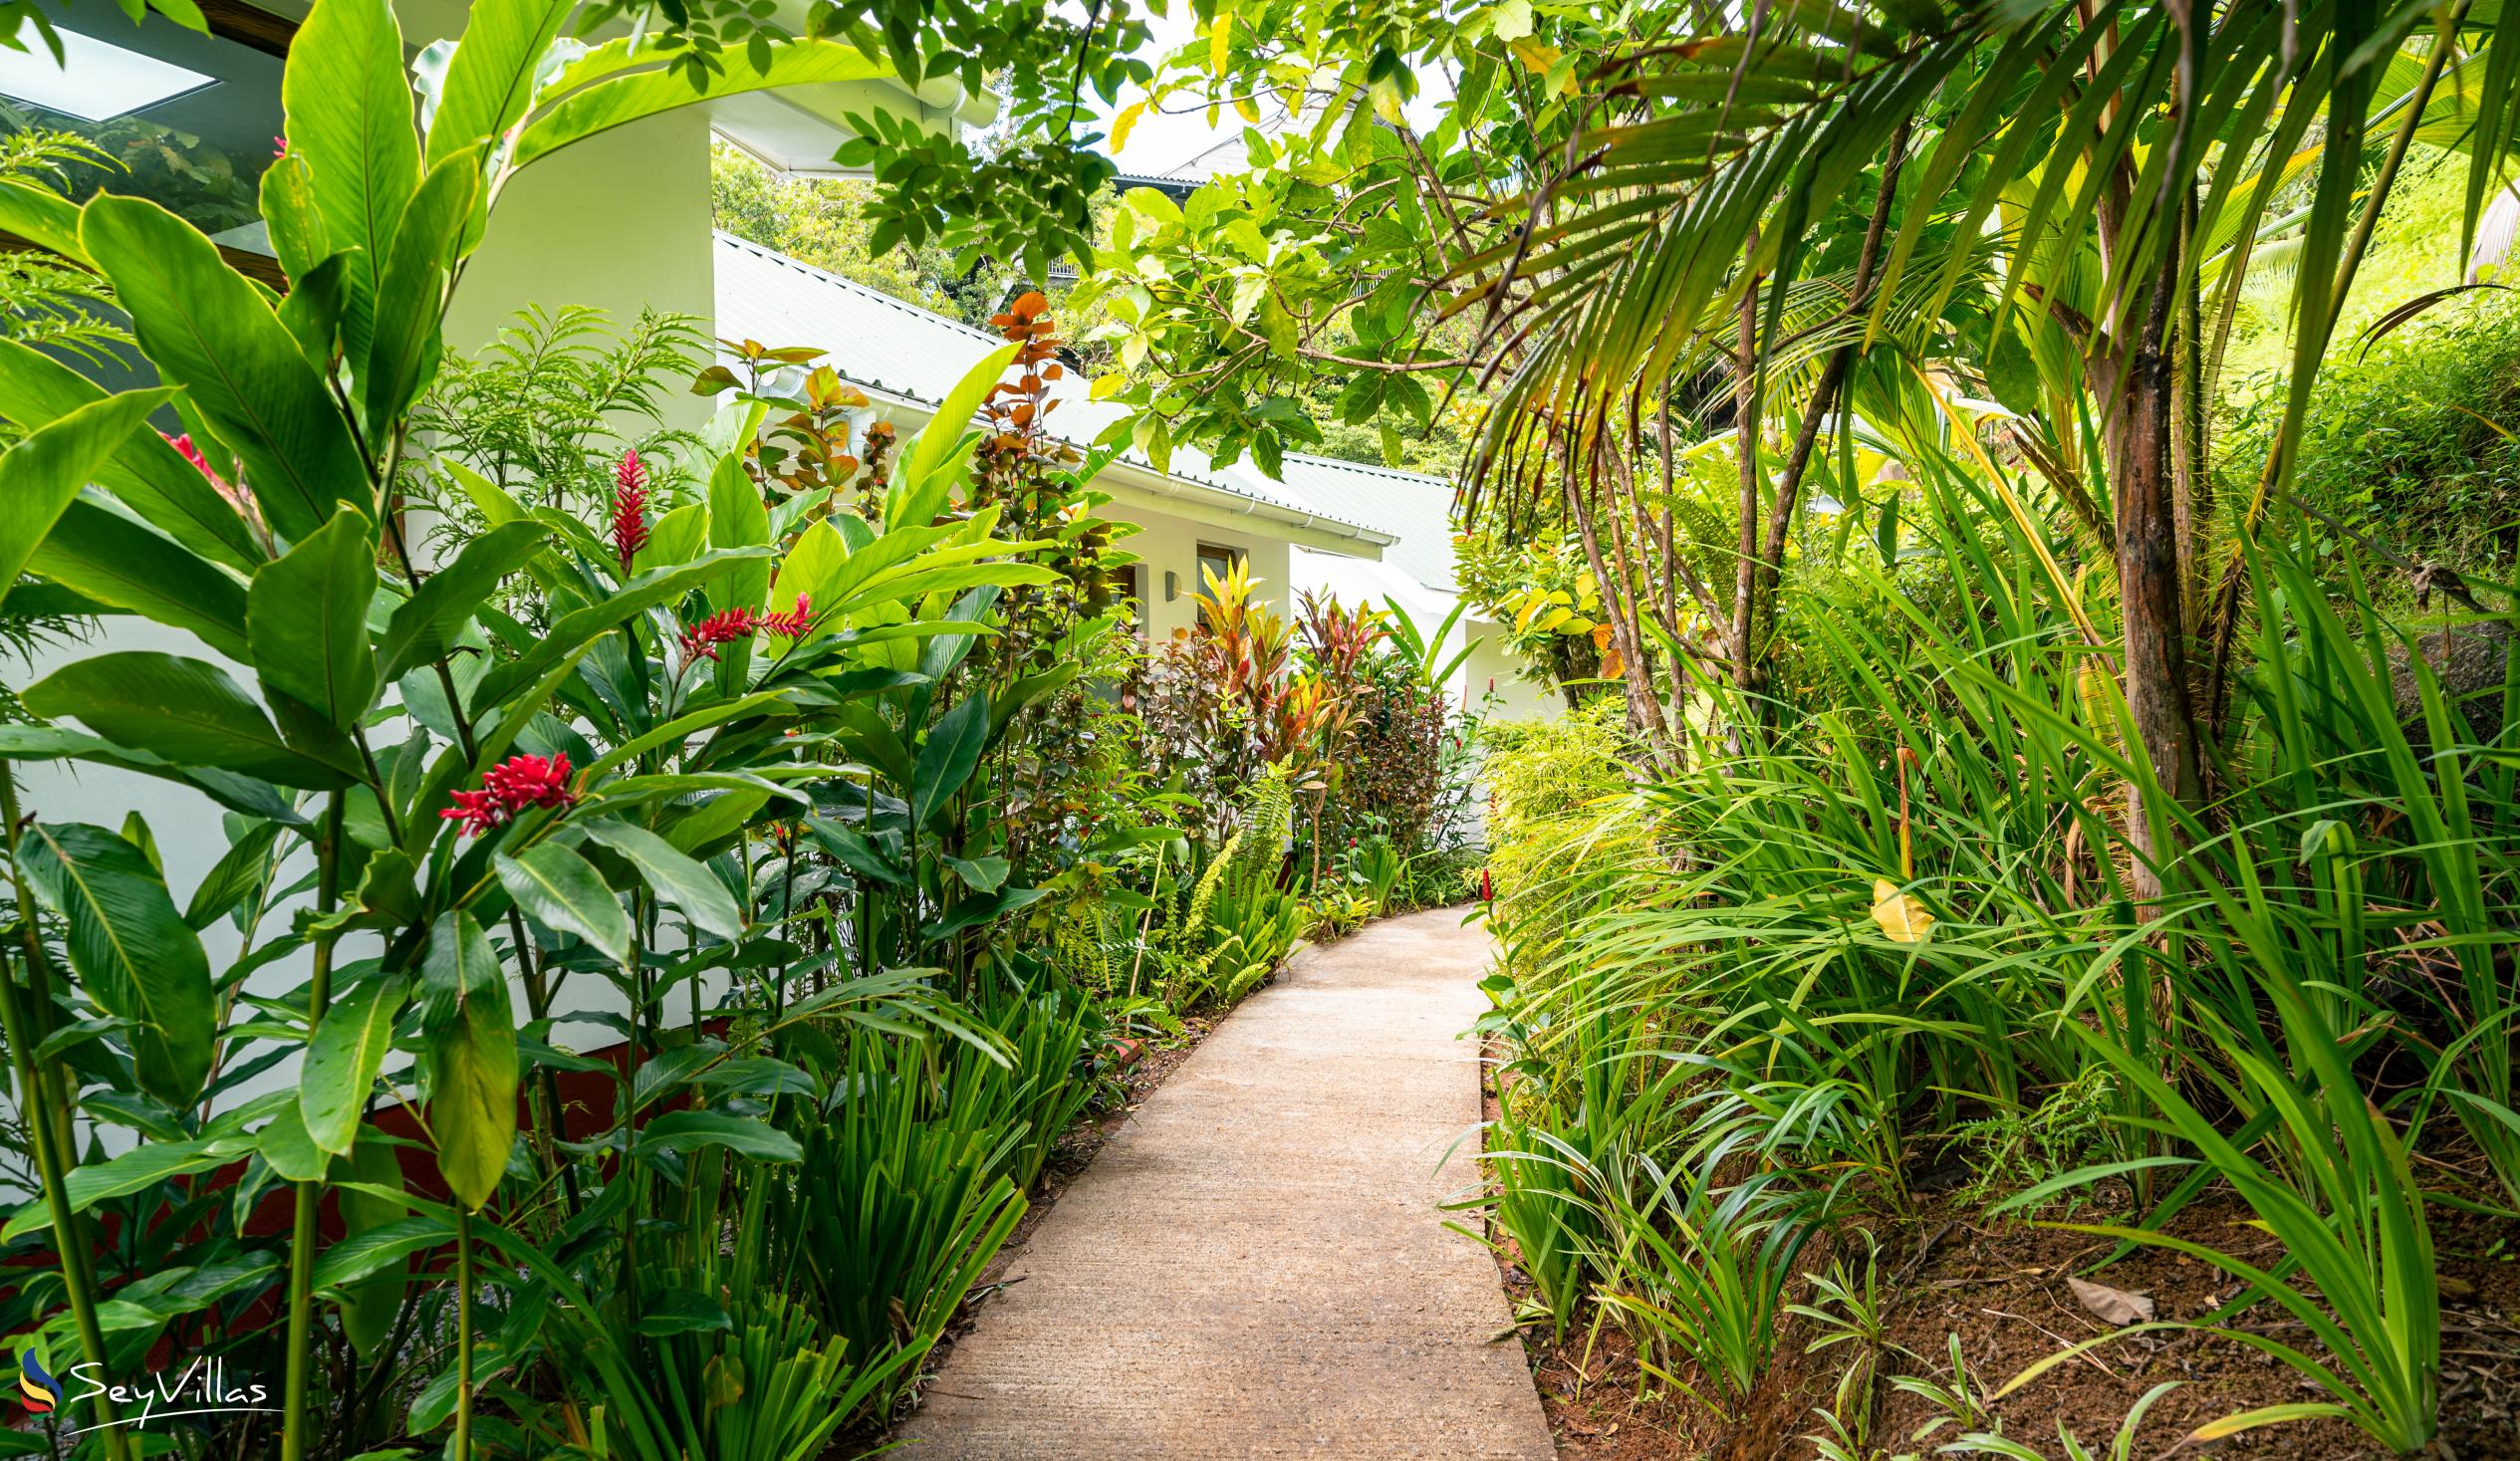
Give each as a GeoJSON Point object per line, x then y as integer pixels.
{"type": "Point", "coordinates": [1415, 508]}
{"type": "Point", "coordinates": [890, 346]}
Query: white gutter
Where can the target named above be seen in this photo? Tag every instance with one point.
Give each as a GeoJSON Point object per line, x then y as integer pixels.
{"type": "Point", "coordinates": [1185, 496]}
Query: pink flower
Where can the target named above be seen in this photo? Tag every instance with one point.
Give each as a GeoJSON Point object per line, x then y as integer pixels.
{"type": "Point", "coordinates": [234, 494]}
{"type": "Point", "coordinates": [509, 787]}
{"type": "Point", "coordinates": [700, 640]}
{"type": "Point", "coordinates": [279, 145]}
{"type": "Point", "coordinates": [629, 508]}
{"type": "Point", "coordinates": [793, 623]}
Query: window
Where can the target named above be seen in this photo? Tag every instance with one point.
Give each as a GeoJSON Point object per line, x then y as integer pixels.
{"type": "Point", "coordinates": [1219, 561]}
{"type": "Point", "coordinates": [190, 120]}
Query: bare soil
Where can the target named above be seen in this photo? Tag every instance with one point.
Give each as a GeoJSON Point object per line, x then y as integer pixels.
{"type": "Point", "coordinates": [2000, 1287]}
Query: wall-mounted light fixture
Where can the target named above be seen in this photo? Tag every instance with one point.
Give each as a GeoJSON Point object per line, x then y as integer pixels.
{"type": "Point", "coordinates": [96, 80]}
{"type": "Point", "coordinates": [1171, 585]}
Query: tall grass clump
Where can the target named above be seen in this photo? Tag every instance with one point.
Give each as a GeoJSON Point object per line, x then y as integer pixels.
{"type": "Point", "coordinates": [1896, 902]}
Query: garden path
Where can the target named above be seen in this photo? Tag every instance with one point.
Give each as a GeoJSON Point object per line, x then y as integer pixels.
{"type": "Point", "coordinates": [1256, 1265]}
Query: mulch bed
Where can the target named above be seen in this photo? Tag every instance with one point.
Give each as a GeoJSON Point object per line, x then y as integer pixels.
{"type": "Point", "coordinates": [2000, 1286]}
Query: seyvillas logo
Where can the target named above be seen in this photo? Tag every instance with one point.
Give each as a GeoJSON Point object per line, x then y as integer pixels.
{"type": "Point", "coordinates": [199, 1388]}
{"type": "Point", "coordinates": [38, 1392]}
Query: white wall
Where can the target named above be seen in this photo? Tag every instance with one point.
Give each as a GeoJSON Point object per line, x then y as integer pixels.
{"type": "Point", "coordinates": [1170, 545]}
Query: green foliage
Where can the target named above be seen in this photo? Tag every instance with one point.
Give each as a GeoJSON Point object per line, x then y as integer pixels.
{"type": "Point", "coordinates": [1746, 977]}
{"type": "Point", "coordinates": [546, 412]}
{"type": "Point", "coordinates": [2407, 442]}
{"type": "Point", "coordinates": [583, 747]}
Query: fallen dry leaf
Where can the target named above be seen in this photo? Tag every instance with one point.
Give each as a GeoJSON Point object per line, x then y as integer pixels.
{"type": "Point", "coordinates": [1901, 918]}
{"type": "Point", "coordinates": [2116, 1306]}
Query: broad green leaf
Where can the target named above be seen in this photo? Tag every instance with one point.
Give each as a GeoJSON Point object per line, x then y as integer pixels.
{"type": "Point", "coordinates": [677, 538]}
{"type": "Point", "coordinates": [402, 355]}
{"type": "Point", "coordinates": [678, 1312]}
{"type": "Point", "coordinates": [689, 1131]}
{"type": "Point", "coordinates": [490, 77]}
{"type": "Point", "coordinates": [41, 474]}
{"type": "Point", "coordinates": [342, 1058]}
{"type": "Point", "coordinates": [471, 1028]}
{"type": "Point", "coordinates": [133, 954]}
{"type": "Point", "coordinates": [445, 601]}
{"type": "Point", "coordinates": [850, 848]}
{"type": "Point", "coordinates": [947, 758]}
{"type": "Point", "coordinates": [815, 566]}
{"type": "Point", "coordinates": [675, 879]}
{"type": "Point", "coordinates": [738, 518]}
{"type": "Point", "coordinates": [563, 891]}
{"type": "Point", "coordinates": [135, 1170]}
{"type": "Point", "coordinates": [981, 874]}
{"type": "Point", "coordinates": [575, 630]}
{"type": "Point", "coordinates": [244, 868]}
{"type": "Point", "coordinates": [622, 100]}
{"type": "Point", "coordinates": [972, 913]}
{"type": "Point", "coordinates": [922, 483]}
{"type": "Point", "coordinates": [186, 711]}
{"type": "Point", "coordinates": [103, 556]}
{"type": "Point", "coordinates": [41, 217]}
{"type": "Point", "coordinates": [147, 472]}
{"type": "Point", "coordinates": [374, 1250]}
{"type": "Point", "coordinates": [307, 619]}
{"type": "Point", "coordinates": [349, 111]}
{"type": "Point", "coordinates": [300, 237]}
{"type": "Point", "coordinates": [370, 1303]}
{"type": "Point", "coordinates": [206, 330]}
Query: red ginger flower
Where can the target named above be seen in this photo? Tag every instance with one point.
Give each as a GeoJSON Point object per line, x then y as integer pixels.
{"type": "Point", "coordinates": [630, 507]}
{"type": "Point", "coordinates": [791, 624]}
{"type": "Point", "coordinates": [700, 640]}
{"type": "Point", "coordinates": [509, 787]}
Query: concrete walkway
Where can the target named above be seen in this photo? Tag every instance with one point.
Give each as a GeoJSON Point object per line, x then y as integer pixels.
{"type": "Point", "coordinates": [1255, 1264]}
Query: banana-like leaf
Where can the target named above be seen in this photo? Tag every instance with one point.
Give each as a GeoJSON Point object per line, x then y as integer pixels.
{"type": "Point", "coordinates": [403, 351]}
{"type": "Point", "coordinates": [620, 99]}
{"type": "Point", "coordinates": [188, 712]}
{"type": "Point", "coordinates": [348, 106]}
{"type": "Point", "coordinates": [205, 328]}
{"type": "Point", "coordinates": [562, 891]}
{"type": "Point", "coordinates": [674, 877]}
{"type": "Point", "coordinates": [113, 561]}
{"type": "Point", "coordinates": [343, 1058]}
{"type": "Point", "coordinates": [490, 77]}
{"type": "Point", "coordinates": [40, 475]}
{"type": "Point", "coordinates": [306, 618]}
{"type": "Point", "coordinates": [420, 627]}
{"type": "Point", "coordinates": [135, 955]}
{"type": "Point", "coordinates": [922, 483]}
{"type": "Point", "coordinates": [470, 1026]}
{"type": "Point", "coordinates": [147, 472]}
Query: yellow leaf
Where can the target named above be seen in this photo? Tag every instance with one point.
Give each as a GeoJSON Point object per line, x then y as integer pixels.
{"type": "Point", "coordinates": [1536, 58]}
{"type": "Point", "coordinates": [1220, 38]}
{"type": "Point", "coordinates": [1901, 918]}
{"type": "Point", "coordinates": [1122, 123]}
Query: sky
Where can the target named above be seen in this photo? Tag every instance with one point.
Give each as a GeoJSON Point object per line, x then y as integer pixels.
{"type": "Point", "coordinates": [1162, 141]}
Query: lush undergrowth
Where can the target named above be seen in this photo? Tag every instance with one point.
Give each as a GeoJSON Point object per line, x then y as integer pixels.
{"type": "Point", "coordinates": [1899, 922]}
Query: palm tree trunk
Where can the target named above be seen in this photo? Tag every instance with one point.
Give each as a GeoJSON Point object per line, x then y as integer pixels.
{"type": "Point", "coordinates": [2143, 472]}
